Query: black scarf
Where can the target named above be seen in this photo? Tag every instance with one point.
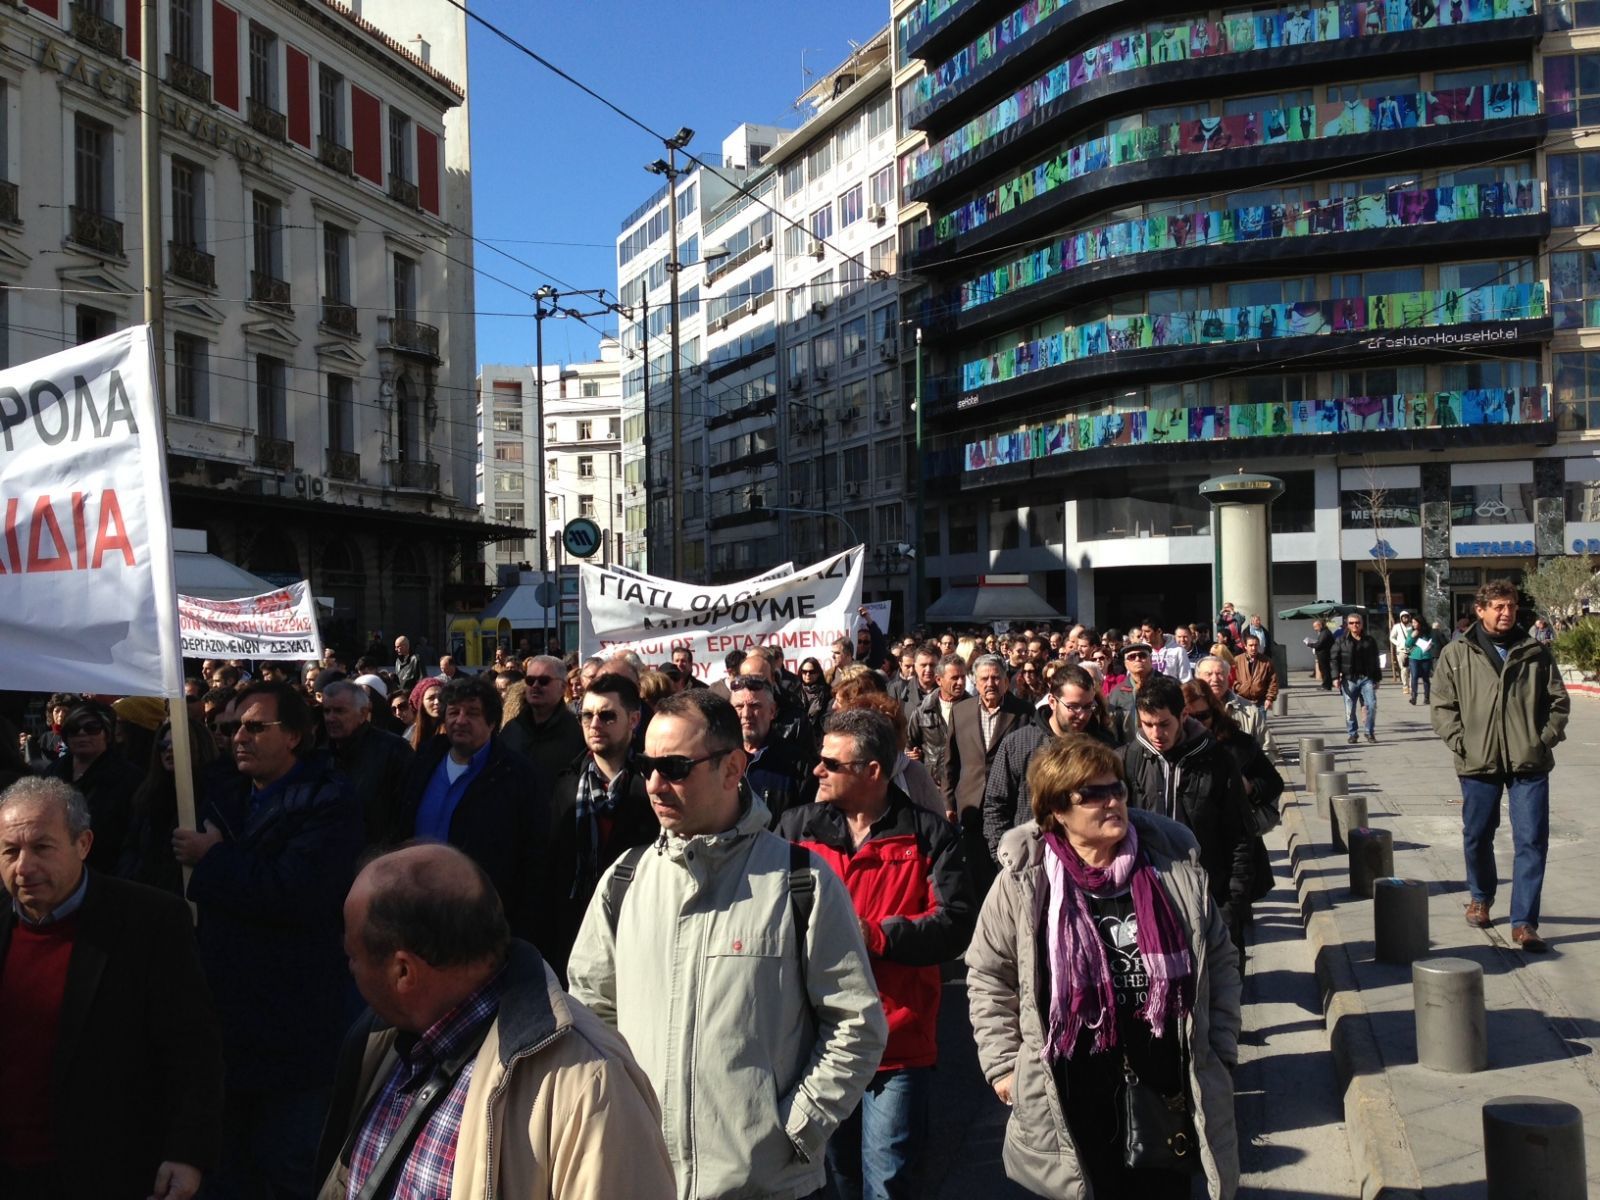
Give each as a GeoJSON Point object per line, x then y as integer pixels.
{"type": "Point", "coordinates": [1492, 645]}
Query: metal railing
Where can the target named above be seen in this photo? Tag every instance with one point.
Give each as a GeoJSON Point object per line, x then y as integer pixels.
{"type": "Point", "coordinates": [339, 158]}
{"type": "Point", "coordinates": [344, 464]}
{"type": "Point", "coordinates": [265, 289]}
{"type": "Point", "coordinates": [339, 317]}
{"type": "Point", "coordinates": [96, 231]}
{"type": "Point", "coordinates": [192, 264]}
{"type": "Point", "coordinates": [189, 79]}
{"type": "Point", "coordinates": [274, 452]}
{"type": "Point", "coordinates": [268, 121]}
{"type": "Point", "coordinates": [419, 476]}
{"type": "Point", "coordinates": [10, 211]}
{"type": "Point", "coordinates": [90, 28]}
{"type": "Point", "coordinates": [414, 337]}
{"type": "Point", "coordinates": [403, 191]}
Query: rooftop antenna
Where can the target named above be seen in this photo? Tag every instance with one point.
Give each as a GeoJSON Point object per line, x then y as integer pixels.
{"type": "Point", "coordinates": [806, 73]}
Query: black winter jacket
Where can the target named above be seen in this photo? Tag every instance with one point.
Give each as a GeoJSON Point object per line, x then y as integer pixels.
{"type": "Point", "coordinates": [1355, 658]}
{"type": "Point", "coordinates": [375, 762]}
{"type": "Point", "coordinates": [1201, 788]}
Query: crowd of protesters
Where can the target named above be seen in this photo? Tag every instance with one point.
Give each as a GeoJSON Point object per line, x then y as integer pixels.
{"type": "Point", "coordinates": [595, 928]}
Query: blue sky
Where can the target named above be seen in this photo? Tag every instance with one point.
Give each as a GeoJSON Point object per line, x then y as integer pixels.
{"type": "Point", "coordinates": [554, 171]}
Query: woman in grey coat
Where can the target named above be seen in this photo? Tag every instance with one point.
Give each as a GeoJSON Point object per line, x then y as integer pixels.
{"type": "Point", "coordinates": [1099, 951]}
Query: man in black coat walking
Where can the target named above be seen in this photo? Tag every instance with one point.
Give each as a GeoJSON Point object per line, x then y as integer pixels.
{"type": "Point", "coordinates": [110, 1061]}
{"type": "Point", "coordinates": [470, 789]}
{"type": "Point", "coordinates": [374, 760]}
{"type": "Point", "coordinates": [1358, 672]}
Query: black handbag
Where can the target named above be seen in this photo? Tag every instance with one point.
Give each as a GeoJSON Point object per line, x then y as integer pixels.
{"type": "Point", "coordinates": [1157, 1130]}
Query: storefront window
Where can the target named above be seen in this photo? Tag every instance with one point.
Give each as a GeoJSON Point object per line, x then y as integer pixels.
{"type": "Point", "coordinates": [1397, 508]}
{"type": "Point", "coordinates": [1492, 504]}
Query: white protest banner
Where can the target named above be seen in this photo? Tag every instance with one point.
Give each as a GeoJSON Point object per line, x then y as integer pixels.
{"type": "Point", "coordinates": [878, 613]}
{"type": "Point", "coordinates": [87, 601]}
{"type": "Point", "coordinates": [801, 614]}
{"type": "Point", "coordinates": [276, 626]}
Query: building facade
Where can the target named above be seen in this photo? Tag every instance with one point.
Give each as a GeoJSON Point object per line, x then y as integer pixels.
{"type": "Point", "coordinates": [318, 342]}
{"type": "Point", "coordinates": [577, 445]}
{"type": "Point", "coordinates": [1344, 245]}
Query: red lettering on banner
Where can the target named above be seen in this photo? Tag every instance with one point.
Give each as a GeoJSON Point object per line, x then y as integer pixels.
{"type": "Point", "coordinates": [12, 548]}
{"type": "Point", "coordinates": [44, 520]}
{"type": "Point", "coordinates": [48, 546]}
{"type": "Point", "coordinates": [80, 535]}
{"type": "Point", "coordinates": [111, 513]}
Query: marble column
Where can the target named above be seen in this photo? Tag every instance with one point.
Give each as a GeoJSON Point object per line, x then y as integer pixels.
{"type": "Point", "coordinates": [1241, 540]}
{"type": "Point", "coordinates": [1436, 545]}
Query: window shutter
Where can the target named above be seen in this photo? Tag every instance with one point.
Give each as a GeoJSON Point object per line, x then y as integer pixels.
{"type": "Point", "coordinates": [299, 96]}
{"type": "Point", "coordinates": [428, 169]}
{"type": "Point", "coordinates": [224, 55]}
{"type": "Point", "coordinates": [368, 137]}
{"type": "Point", "coordinates": [50, 8]}
{"type": "Point", "coordinates": [131, 46]}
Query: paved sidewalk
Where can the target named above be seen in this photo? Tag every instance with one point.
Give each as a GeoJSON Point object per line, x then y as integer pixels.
{"type": "Point", "coordinates": [1414, 1131]}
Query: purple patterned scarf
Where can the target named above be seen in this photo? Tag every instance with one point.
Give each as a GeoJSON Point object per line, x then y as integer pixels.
{"type": "Point", "coordinates": [1080, 979]}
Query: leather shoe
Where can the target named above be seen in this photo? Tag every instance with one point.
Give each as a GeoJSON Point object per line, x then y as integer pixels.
{"type": "Point", "coordinates": [1527, 937]}
{"type": "Point", "coordinates": [1354, 739]}
{"type": "Point", "coordinates": [1478, 915]}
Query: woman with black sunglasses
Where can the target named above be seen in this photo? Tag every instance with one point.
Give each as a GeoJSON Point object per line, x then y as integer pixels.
{"type": "Point", "coordinates": [97, 768]}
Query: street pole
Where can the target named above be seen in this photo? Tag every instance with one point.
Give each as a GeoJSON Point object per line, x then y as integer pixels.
{"type": "Point", "coordinates": [539, 314]}
{"type": "Point", "coordinates": [651, 559]}
{"type": "Point", "coordinates": [673, 267]}
{"type": "Point", "coordinates": [919, 548]}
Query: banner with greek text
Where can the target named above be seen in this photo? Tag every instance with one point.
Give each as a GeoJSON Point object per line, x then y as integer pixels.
{"type": "Point", "coordinates": [278, 626]}
{"type": "Point", "coordinates": [800, 613]}
{"type": "Point", "coordinates": [87, 601]}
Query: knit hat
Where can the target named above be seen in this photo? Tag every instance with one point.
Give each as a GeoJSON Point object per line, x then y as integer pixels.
{"type": "Point", "coordinates": [432, 681]}
{"type": "Point", "coordinates": [375, 683]}
{"type": "Point", "coordinates": [147, 712]}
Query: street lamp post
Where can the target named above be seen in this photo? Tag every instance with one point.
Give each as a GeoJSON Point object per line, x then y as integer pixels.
{"type": "Point", "coordinates": [919, 543]}
{"type": "Point", "coordinates": [669, 167]}
{"type": "Point", "coordinates": [813, 512]}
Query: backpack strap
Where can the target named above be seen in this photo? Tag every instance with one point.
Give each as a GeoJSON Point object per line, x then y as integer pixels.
{"type": "Point", "coordinates": [617, 886]}
{"type": "Point", "coordinates": [802, 897]}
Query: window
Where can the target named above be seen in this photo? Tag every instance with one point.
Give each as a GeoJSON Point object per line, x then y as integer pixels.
{"type": "Point", "coordinates": [508, 452]}
{"type": "Point", "coordinates": [824, 352]}
{"type": "Point", "coordinates": [585, 466]}
{"type": "Point", "coordinates": [1574, 14]}
{"type": "Point", "coordinates": [552, 469]}
{"type": "Point", "coordinates": [335, 264]}
{"type": "Point", "coordinates": [510, 514]}
{"type": "Point", "coordinates": [92, 162]}
{"type": "Point", "coordinates": [330, 105]}
{"type": "Point", "coordinates": [880, 116]}
{"type": "Point", "coordinates": [853, 337]}
{"type": "Point", "coordinates": [585, 505]}
{"type": "Point", "coordinates": [188, 204]}
{"type": "Point", "coordinates": [590, 388]}
{"type": "Point", "coordinates": [266, 229]}
{"type": "Point", "coordinates": [1401, 508]}
{"type": "Point", "coordinates": [507, 421]}
{"type": "Point", "coordinates": [94, 323]}
{"type": "Point", "coordinates": [184, 30]}
{"type": "Point", "coordinates": [849, 137]}
{"type": "Point", "coordinates": [886, 325]}
{"type": "Point", "coordinates": [263, 66]}
{"type": "Point", "coordinates": [550, 432]}
{"type": "Point", "coordinates": [794, 177]}
{"type": "Point", "coordinates": [822, 223]}
{"type": "Point", "coordinates": [614, 433]}
{"type": "Point", "coordinates": [341, 413]}
{"type": "Point", "coordinates": [889, 459]}
{"type": "Point", "coordinates": [1574, 289]}
{"type": "Point", "coordinates": [820, 161]}
{"type": "Point", "coordinates": [1576, 391]}
{"type": "Point", "coordinates": [881, 187]}
{"type": "Point", "coordinates": [1574, 189]}
{"type": "Point", "coordinates": [881, 259]}
{"type": "Point", "coordinates": [891, 523]}
{"type": "Point", "coordinates": [1491, 504]}
{"type": "Point", "coordinates": [508, 483]}
{"type": "Point", "coordinates": [585, 431]}
{"type": "Point", "coordinates": [963, 520]}
{"type": "Point", "coordinates": [852, 274]}
{"type": "Point", "coordinates": [855, 465]}
{"type": "Point", "coordinates": [796, 241]}
{"type": "Point", "coordinates": [822, 288]}
{"type": "Point", "coordinates": [400, 143]}
{"type": "Point", "coordinates": [1572, 90]}
{"type": "Point", "coordinates": [850, 210]}
{"type": "Point", "coordinates": [272, 401]}
{"type": "Point", "coordinates": [190, 377]}
{"type": "Point", "coordinates": [405, 288]}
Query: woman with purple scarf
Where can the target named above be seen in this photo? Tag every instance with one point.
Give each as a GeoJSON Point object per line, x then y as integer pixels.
{"type": "Point", "coordinates": [1101, 958]}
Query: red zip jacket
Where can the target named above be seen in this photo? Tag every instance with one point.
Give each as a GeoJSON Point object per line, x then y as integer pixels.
{"type": "Point", "coordinates": [909, 883]}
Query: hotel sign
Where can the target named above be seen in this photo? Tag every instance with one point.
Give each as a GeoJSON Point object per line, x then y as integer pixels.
{"type": "Point", "coordinates": [193, 121]}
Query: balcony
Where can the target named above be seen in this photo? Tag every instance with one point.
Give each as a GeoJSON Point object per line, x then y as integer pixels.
{"type": "Point", "coordinates": [415, 476]}
{"type": "Point", "coordinates": [191, 264]}
{"type": "Point", "coordinates": [276, 453]}
{"type": "Point", "coordinates": [189, 79]}
{"type": "Point", "coordinates": [403, 191]}
{"type": "Point", "coordinates": [414, 337]}
{"type": "Point", "coordinates": [345, 465]}
{"type": "Point", "coordinates": [268, 121]}
{"type": "Point", "coordinates": [264, 289]}
{"type": "Point", "coordinates": [10, 213]}
{"type": "Point", "coordinates": [340, 317]}
{"type": "Point", "coordinates": [95, 232]}
{"type": "Point", "coordinates": [335, 157]}
{"type": "Point", "coordinates": [90, 28]}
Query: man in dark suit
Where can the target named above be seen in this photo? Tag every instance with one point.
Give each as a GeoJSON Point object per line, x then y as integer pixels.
{"type": "Point", "coordinates": [110, 1059]}
{"type": "Point", "coordinates": [977, 727]}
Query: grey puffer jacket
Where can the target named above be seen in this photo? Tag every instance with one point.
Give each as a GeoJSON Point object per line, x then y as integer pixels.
{"type": "Point", "coordinates": [1004, 981]}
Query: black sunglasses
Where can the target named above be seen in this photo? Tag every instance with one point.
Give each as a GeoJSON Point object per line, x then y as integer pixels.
{"type": "Point", "coordinates": [835, 766]}
{"type": "Point", "coordinates": [84, 729]}
{"type": "Point", "coordinates": [602, 716]}
{"type": "Point", "coordinates": [748, 683]}
{"type": "Point", "coordinates": [675, 768]}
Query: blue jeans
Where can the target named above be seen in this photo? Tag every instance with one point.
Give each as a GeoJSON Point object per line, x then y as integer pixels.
{"type": "Point", "coordinates": [876, 1153]}
{"type": "Point", "coordinates": [1422, 673]}
{"type": "Point", "coordinates": [1529, 797]}
{"type": "Point", "coordinates": [1367, 691]}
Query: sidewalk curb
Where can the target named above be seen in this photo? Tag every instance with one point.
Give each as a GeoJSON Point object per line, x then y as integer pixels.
{"type": "Point", "coordinates": [1380, 1152]}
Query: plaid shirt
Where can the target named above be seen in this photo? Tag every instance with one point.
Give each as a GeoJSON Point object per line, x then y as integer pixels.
{"type": "Point", "coordinates": [595, 799]}
{"type": "Point", "coordinates": [425, 1174]}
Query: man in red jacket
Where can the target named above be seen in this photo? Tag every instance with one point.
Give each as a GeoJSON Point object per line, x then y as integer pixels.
{"type": "Point", "coordinates": [905, 872]}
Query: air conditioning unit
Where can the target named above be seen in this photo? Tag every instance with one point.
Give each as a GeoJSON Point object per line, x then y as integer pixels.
{"type": "Point", "coordinates": [797, 495]}
{"type": "Point", "coordinates": [852, 489]}
{"type": "Point", "coordinates": [819, 308]}
{"type": "Point", "coordinates": [888, 351]}
{"type": "Point", "coordinates": [822, 374]}
{"type": "Point", "coordinates": [885, 414]}
{"type": "Point", "coordinates": [848, 415]}
{"type": "Point", "coordinates": [817, 250]}
{"type": "Point", "coordinates": [875, 212]}
{"type": "Point", "coordinates": [797, 382]}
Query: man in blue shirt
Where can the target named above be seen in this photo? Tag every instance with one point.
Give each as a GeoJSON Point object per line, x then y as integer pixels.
{"type": "Point", "coordinates": [468, 788]}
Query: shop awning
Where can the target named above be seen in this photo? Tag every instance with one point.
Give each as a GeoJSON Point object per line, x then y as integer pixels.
{"type": "Point", "coordinates": [201, 573]}
{"type": "Point", "coordinates": [993, 598]}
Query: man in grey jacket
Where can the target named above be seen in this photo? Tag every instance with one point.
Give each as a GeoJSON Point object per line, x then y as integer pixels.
{"type": "Point", "coordinates": [1500, 705]}
{"type": "Point", "coordinates": [751, 1008]}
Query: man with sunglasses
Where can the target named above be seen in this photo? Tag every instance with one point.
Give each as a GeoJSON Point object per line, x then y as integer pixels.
{"type": "Point", "coordinates": [601, 809]}
{"type": "Point", "coordinates": [97, 768]}
{"type": "Point", "coordinates": [1138, 661]}
{"type": "Point", "coordinates": [546, 731]}
{"type": "Point", "coordinates": [469, 788]}
{"type": "Point", "coordinates": [1358, 672]}
{"type": "Point", "coordinates": [906, 875]}
{"type": "Point", "coordinates": [272, 861]}
{"type": "Point", "coordinates": [758, 1025]}
{"type": "Point", "coordinates": [1071, 706]}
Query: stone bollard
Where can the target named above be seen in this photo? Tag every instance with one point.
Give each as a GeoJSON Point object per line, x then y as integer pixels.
{"type": "Point", "coordinates": [1348, 812]}
{"type": "Point", "coordinates": [1533, 1147]}
{"type": "Point", "coordinates": [1280, 704]}
{"type": "Point", "coordinates": [1308, 747]}
{"type": "Point", "coordinates": [1315, 764]}
{"type": "Point", "coordinates": [1399, 920]}
{"type": "Point", "coordinates": [1371, 858]}
{"type": "Point", "coordinates": [1329, 785]}
{"type": "Point", "coordinates": [1452, 1031]}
